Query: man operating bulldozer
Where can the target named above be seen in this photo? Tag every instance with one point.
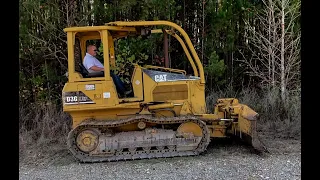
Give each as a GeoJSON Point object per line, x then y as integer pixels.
{"type": "Point", "coordinates": [91, 63]}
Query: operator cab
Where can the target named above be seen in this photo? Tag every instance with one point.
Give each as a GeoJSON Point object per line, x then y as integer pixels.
{"type": "Point", "coordinates": [139, 80]}
{"type": "Point", "coordinates": [124, 90]}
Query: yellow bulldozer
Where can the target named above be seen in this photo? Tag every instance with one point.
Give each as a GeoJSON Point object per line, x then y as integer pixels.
{"type": "Point", "coordinates": [163, 115]}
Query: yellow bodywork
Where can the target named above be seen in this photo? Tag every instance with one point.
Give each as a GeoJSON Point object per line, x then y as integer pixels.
{"type": "Point", "coordinates": [152, 95]}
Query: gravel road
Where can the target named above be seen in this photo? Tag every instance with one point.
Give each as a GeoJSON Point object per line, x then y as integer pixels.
{"type": "Point", "coordinates": [221, 161]}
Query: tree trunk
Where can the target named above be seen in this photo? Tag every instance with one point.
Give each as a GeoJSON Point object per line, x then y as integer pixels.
{"type": "Point", "coordinates": [283, 84]}
{"type": "Point", "coordinates": [186, 65]}
{"type": "Point", "coordinates": [274, 36]}
{"type": "Point", "coordinates": [202, 40]}
{"type": "Point", "coordinates": [269, 45]}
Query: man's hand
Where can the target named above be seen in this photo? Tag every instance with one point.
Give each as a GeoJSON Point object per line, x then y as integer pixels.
{"type": "Point", "coordinates": [95, 68]}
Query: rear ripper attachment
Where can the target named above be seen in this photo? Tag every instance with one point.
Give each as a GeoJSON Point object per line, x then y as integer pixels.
{"type": "Point", "coordinates": [244, 124]}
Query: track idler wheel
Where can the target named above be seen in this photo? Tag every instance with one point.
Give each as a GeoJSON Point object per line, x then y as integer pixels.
{"type": "Point", "coordinates": [189, 130]}
{"type": "Point", "coordinates": [87, 140]}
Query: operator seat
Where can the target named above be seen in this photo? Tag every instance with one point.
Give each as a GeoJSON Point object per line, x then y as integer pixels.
{"type": "Point", "coordinates": [85, 73]}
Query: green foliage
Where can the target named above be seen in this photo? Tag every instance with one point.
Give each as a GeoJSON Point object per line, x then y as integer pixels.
{"type": "Point", "coordinates": [224, 22]}
{"type": "Point", "coordinates": [43, 51]}
{"type": "Point", "coordinates": [216, 68]}
{"type": "Point", "coordinates": [158, 9]}
{"type": "Point", "coordinates": [129, 51]}
{"type": "Point", "coordinates": [225, 34]}
{"type": "Point", "coordinates": [43, 87]}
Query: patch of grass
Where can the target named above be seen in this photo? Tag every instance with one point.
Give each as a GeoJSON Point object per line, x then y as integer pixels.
{"type": "Point", "coordinates": [43, 128]}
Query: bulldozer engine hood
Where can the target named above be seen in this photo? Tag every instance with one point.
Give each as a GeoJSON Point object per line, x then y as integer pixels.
{"type": "Point", "coordinates": [159, 76]}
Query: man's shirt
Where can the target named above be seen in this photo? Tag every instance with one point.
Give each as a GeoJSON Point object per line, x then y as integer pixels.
{"type": "Point", "coordinates": [90, 61]}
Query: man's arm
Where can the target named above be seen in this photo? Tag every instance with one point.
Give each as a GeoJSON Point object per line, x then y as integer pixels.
{"type": "Point", "coordinates": [89, 64]}
{"type": "Point", "coordinates": [95, 68]}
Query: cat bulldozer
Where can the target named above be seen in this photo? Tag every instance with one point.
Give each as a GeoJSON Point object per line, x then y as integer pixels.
{"type": "Point", "coordinates": [163, 115]}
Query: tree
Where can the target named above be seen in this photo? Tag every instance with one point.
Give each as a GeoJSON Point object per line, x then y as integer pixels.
{"type": "Point", "coordinates": [273, 40]}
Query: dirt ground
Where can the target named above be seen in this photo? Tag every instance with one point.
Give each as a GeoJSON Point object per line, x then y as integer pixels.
{"type": "Point", "coordinates": [224, 159]}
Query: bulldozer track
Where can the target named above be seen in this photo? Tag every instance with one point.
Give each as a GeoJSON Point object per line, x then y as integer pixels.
{"type": "Point", "coordinates": [142, 154]}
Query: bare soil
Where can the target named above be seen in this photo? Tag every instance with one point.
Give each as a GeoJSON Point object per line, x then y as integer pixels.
{"type": "Point", "coordinates": [224, 159]}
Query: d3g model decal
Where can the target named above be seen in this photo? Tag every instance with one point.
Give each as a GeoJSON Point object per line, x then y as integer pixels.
{"type": "Point", "coordinates": [76, 97]}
